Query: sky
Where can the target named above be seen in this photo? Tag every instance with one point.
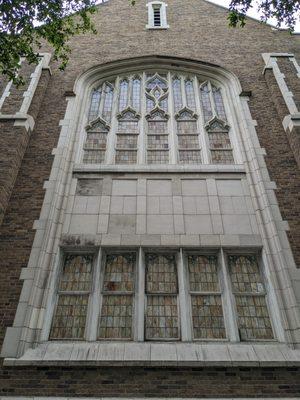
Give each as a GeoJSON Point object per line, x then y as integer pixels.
{"type": "Point", "coordinates": [253, 13]}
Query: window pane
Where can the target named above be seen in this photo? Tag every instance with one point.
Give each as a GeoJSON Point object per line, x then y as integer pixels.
{"type": "Point", "coordinates": [245, 275]}
{"type": "Point", "coordinates": [108, 99]}
{"type": "Point", "coordinates": [116, 317]}
{"type": "Point", "coordinates": [157, 157]}
{"type": "Point", "coordinates": [126, 157]}
{"type": "Point", "coordinates": [127, 141]}
{"type": "Point", "coordinates": [119, 272]}
{"type": "Point", "coordinates": [157, 127]}
{"type": "Point", "coordinates": [189, 157]}
{"type": "Point", "coordinates": [70, 317]}
{"type": "Point", "coordinates": [162, 317]}
{"type": "Point", "coordinates": [219, 140]}
{"type": "Point", "coordinates": [222, 157]}
{"type": "Point", "coordinates": [93, 157]}
{"type": "Point", "coordinates": [76, 274]}
{"type": "Point", "coordinates": [207, 314]}
{"type": "Point", "coordinates": [190, 95]}
{"type": "Point", "coordinates": [158, 142]}
{"type": "Point", "coordinates": [186, 127]}
{"type": "Point", "coordinates": [205, 103]}
{"type": "Point", "coordinates": [253, 318]}
{"type": "Point", "coordinates": [203, 273]}
{"type": "Point", "coordinates": [136, 93]}
{"type": "Point", "coordinates": [95, 140]}
{"type": "Point", "coordinates": [177, 94]}
{"type": "Point", "coordinates": [188, 141]}
{"type": "Point", "coordinates": [94, 105]}
{"type": "Point", "coordinates": [123, 94]}
{"type": "Point", "coordinates": [219, 103]}
{"type": "Point", "coordinates": [161, 274]}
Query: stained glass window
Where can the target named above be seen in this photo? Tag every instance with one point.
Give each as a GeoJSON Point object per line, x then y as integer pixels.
{"type": "Point", "coordinates": [250, 296]}
{"type": "Point", "coordinates": [206, 301]}
{"type": "Point", "coordinates": [219, 144]}
{"type": "Point", "coordinates": [95, 143]}
{"type": "Point", "coordinates": [117, 303]}
{"type": "Point", "coordinates": [161, 290]}
{"type": "Point", "coordinates": [123, 94]}
{"type": "Point", "coordinates": [74, 287]}
{"type": "Point", "coordinates": [155, 100]}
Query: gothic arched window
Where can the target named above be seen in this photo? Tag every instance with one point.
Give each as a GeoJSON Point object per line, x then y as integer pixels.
{"type": "Point", "coordinates": [158, 118]}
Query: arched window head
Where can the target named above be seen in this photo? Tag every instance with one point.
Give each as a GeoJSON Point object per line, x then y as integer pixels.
{"type": "Point", "coordinates": [157, 15]}
{"type": "Point", "coordinates": [158, 117]}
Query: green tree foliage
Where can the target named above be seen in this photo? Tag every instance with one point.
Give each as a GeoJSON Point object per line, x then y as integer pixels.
{"type": "Point", "coordinates": [26, 24]}
{"type": "Point", "coordinates": [284, 12]}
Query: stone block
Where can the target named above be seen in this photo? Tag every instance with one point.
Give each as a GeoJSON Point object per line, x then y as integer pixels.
{"type": "Point", "coordinates": [84, 224]}
{"type": "Point", "coordinates": [177, 205]}
{"type": "Point", "coordinates": [89, 187]}
{"type": "Point", "coordinates": [160, 224]}
{"type": "Point", "coordinates": [236, 224]}
{"type": "Point", "coordinates": [124, 187]}
{"type": "Point", "coordinates": [189, 205]}
{"type": "Point", "coordinates": [129, 206]}
{"type": "Point", "coordinates": [80, 204]}
{"type": "Point", "coordinates": [122, 224]}
{"type": "Point", "coordinates": [189, 240]}
{"type": "Point", "coordinates": [198, 224]}
{"type": "Point", "coordinates": [141, 207]}
{"type": "Point", "coordinates": [179, 224]}
{"type": "Point", "coordinates": [141, 224]}
{"type": "Point", "coordinates": [103, 223]}
{"type": "Point", "coordinates": [170, 240]}
{"type": "Point", "coordinates": [229, 187]}
{"type": "Point", "coordinates": [104, 205]}
{"type": "Point", "coordinates": [159, 187]}
{"type": "Point", "coordinates": [202, 205]}
{"type": "Point", "coordinates": [153, 205]}
{"type": "Point", "coordinates": [116, 204]}
{"type": "Point", "coordinates": [93, 205]}
{"type": "Point", "coordinates": [165, 205]}
{"type": "Point", "coordinates": [193, 187]}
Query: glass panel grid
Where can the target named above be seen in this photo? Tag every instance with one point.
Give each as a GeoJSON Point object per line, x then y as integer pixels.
{"type": "Point", "coordinates": [157, 157]}
{"type": "Point", "coordinates": [116, 317]}
{"type": "Point", "coordinates": [190, 95]}
{"type": "Point", "coordinates": [206, 104]}
{"type": "Point", "coordinates": [126, 157]}
{"type": "Point", "coordinates": [93, 157]}
{"type": "Point", "coordinates": [136, 93]}
{"type": "Point", "coordinates": [203, 273]}
{"type": "Point", "coordinates": [219, 140]}
{"type": "Point", "coordinates": [95, 140]}
{"type": "Point", "coordinates": [207, 315]}
{"type": "Point", "coordinates": [186, 127]}
{"type": "Point", "coordinates": [94, 105]}
{"type": "Point", "coordinates": [123, 94]}
{"type": "Point", "coordinates": [119, 273]}
{"type": "Point", "coordinates": [222, 157]}
{"type": "Point", "coordinates": [190, 156]}
{"type": "Point", "coordinates": [162, 317]}
{"type": "Point", "coordinates": [252, 311]}
{"type": "Point", "coordinates": [161, 275]}
{"type": "Point", "coordinates": [127, 141]}
{"type": "Point", "coordinates": [177, 94]}
{"type": "Point", "coordinates": [76, 274]}
{"type": "Point", "coordinates": [158, 142]}
{"type": "Point", "coordinates": [219, 103]}
{"type": "Point", "coordinates": [128, 126]}
{"type": "Point", "coordinates": [70, 317]}
{"type": "Point", "coordinates": [108, 100]}
{"type": "Point", "coordinates": [188, 141]}
{"type": "Point", "coordinates": [158, 127]}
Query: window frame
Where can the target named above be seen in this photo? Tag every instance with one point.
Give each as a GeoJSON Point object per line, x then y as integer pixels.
{"type": "Point", "coordinates": [141, 154]}
{"type": "Point", "coordinates": [185, 324]}
{"type": "Point", "coordinates": [163, 15]}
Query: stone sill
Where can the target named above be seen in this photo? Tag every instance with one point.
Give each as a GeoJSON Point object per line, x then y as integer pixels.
{"type": "Point", "coordinates": [169, 168]}
{"type": "Point", "coordinates": [158, 354]}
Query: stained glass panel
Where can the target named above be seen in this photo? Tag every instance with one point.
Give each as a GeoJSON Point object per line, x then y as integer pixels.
{"type": "Point", "coordinates": [76, 273]}
{"type": "Point", "coordinates": [108, 100]}
{"type": "Point", "coordinates": [162, 318]}
{"type": "Point", "coordinates": [186, 127]}
{"type": "Point", "coordinates": [205, 102]}
{"type": "Point", "coordinates": [95, 140]}
{"type": "Point", "coordinates": [245, 275]}
{"type": "Point", "coordinates": [158, 142]}
{"type": "Point", "coordinates": [190, 95]}
{"type": "Point", "coordinates": [127, 141]}
{"type": "Point", "coordinates": [219, 140]}
{"type": "Point", "coordinates": [136, 93]}
{"type": "Point", "coordinates": [222, 157]}
{"type": "Point", "coordinates": [203, 273]}
{"type": "Point", "coordinates": [116, 317]}
{"type": "Point", "coordinates": [119, 272]}
{"type": "Point", "coordinates": [219, 103]}
{"type": "Point", "coordinates": [207, 315]}
{"type": "Point", "coordinates": [93, 157]}
{"type": "Point", "coordinates": [177, 94]}
{"type": "Point", "coordinates": [94, 105]}
{"type": "Point", "coordinates": [123, 94]}
{"type": "Point", "coordinates": [189, 156]}
{"type": "Point", "coordinates": [126, 156]}
{"type": "Point", "coordinates": [157, 157]}
{"type": "Point", "coordinates": [70, 317]}
{"type": "Point", "coordinates": [157, 127]}
{"type": "Point", "coordinates": [188, 141]}
{"type": "Point", "coordinates": [161, 274]}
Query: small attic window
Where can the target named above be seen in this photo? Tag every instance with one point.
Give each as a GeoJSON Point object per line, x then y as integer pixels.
{"type": "Point", "coordinates": [157, 15]}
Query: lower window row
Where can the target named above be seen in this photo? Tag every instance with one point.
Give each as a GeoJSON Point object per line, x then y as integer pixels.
{"type": "Point", "coordinates": [141, 295]}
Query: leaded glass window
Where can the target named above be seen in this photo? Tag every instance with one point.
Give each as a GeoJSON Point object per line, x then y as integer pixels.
{"type": "Point", "coordinates": [126, 296]}
{"type": "Point", "coordinates": [206, 301]}
{"type": "Point", "coordinates": [95, 143]}
{"type": "Point", "coordinates": [166, 104]}
{"type": "Point", "coordinates": [118, 295]}
{"type": "Point", "coordinates": [127, 137]}
{"type": "Point", "coordinates": [219, 143]}
{"type": "Point", "coordinates": [250, 296]}
{"type": "Point", "coordinates": [74, 288]}
{"type": "Point", "coordinates": [161, 297]}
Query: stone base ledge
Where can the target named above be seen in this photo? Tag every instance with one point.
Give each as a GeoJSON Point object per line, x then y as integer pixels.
{"type": "Point", "coordinates": [158, 354]}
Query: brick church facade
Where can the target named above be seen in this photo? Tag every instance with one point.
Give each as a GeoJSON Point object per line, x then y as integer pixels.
{"type": "Point", "coordinates": [150, 211]}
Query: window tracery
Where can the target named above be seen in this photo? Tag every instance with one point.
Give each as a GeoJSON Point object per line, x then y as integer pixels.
{"type": "Point", "coordinates": [154, 112]}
